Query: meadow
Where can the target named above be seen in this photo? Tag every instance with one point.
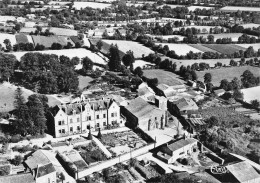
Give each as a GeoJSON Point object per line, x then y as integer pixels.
{"type": "Point", "coordinates": [164, 77]}
{"type": "Point", "coordinates": [225, 49]}
{"type": "Point", "coordinates": [251, 93]}
{"type": "Point", "coordinates": [227, 73]}
{"type": "Point", "coordinates": [241, 8]}
{"type": "Point", "coordinates": [124, 46]}
{"type": "Point", "coordinates": [79, 5]}
{"type": "Point", "coordinates": [180, 49]}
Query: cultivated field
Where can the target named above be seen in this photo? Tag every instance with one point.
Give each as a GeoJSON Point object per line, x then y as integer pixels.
{"type": "Point", "coordinates": [180, 49]}
{"type": "Point", "coordinates": [202, 48]}
{"type": "Point", "coordinates": [233, 36]}
{"type": "Point", "coordinates": [227, 73]}
{"type": "Point", "coordinates": [236, 8]}
{"type": "Point", "coordinates": [164, 77]}
{"type": "Point", "coordinates": [251, 93]}
{"type": "Point", "coordinates": [48, 41]}
{"type": "Point", "coordinates": [79, 5]}
{"type": "Point", "coordinates": [124, 46]}
{"type": "Point", "coordinates": [226, 49]}
{"type": "Point", "coordinates": [80, 52]}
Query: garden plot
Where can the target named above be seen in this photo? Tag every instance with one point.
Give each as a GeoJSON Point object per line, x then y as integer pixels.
{"type": "Point", "coordinates": [94, 5]}
{"type": "Point", "coordinates": [4, 36]}
{"type": "Point", "coordinates": [256, 46]}
{"type": "Point", "coordinates": [251, 94]}
{"type": "Point", "coordinates": [124, 46]}
{"type": "Point", "coordinates": [180, 49]}
{"type": "Point", "coordinates": [225, 49]}
{"type": "Point", "coordinates": [239, 8]}
{"type": "Point", "coordinates": [122, 142]}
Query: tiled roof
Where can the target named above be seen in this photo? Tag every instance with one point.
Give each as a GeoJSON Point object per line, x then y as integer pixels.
{"type": "Point", "coordinates": [180, 143]}
{"type": "Point", "coordinates": [45, 170]}
{"type": "Point", "coordinates": [17, 178]}
{"type": "Point", "coordinates": [244, 172]}
{"type": "Point", "coordinates": [140, 108]}
{"type": "Point", "coordinates": [162, 87]}
{"type": "Point", "coordinates": [184, 102]}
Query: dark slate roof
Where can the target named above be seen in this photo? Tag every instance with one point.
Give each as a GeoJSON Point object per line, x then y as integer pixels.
{"type": "Point", "coordinates": [45, 170]}
{"type": "Point", "coordinates": [17, 178]}
{"type": "Point", "coordinates": [75, 39]}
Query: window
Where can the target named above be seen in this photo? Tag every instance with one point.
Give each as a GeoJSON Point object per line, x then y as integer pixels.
{"type": "Point", "coordinates": [63, 130]}
{"type": "Point", "coordinates": [104, 115]}
{"type": "Point", "coordinates": [77, 119]}
{"type": "Point", "coordinates": [71, 121]}
{"type": "Point", "coordinates": [89, 118]}
{"type": "Point", "coordinates": [98, 125]}
{"type": "Point", "coordinates": [104, 124]}
{"type": "Point", "coordinates": [59, 131]}
{"type": "Point", "coordinates": [97, 116]}
{"type": "Point", "coordinates": [115, 114]}
{"type": "Point", "coordinates": [78, 128]}
{"type": "Point", "coordinates": [112, 114]}
{"type": "Point", "coordinates": [71, 129]}
{"type": "Point", "coordinates": [59, 122]}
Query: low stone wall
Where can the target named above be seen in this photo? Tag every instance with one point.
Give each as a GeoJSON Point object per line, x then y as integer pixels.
{"type": "Point", "coordinates": [105, 164]}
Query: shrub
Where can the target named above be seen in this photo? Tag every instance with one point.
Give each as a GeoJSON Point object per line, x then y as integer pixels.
{"type": "Point", "coordinates": [143, 171]}
{"type": "Point", "coordinates": [15, 138]}
{"type": "Point", "coordinates": [17, 160]}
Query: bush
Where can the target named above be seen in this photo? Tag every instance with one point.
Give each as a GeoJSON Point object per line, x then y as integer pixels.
{"type": "Point", "coordinates": [143, 171]}
{"type": "Point", "coordinates": [17, 160]}
{"type": "Point", "coordinates": [15, 138]}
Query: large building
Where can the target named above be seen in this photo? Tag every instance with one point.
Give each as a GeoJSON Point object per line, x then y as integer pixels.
{"type": "Point", "coordinates": [142, 114]}
{"type": "Point", "coordinates": [69, 119]}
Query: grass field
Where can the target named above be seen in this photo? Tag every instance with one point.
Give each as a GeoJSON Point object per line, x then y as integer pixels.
{"type": "Point", "coordinates": [192, 8]}
{"type": "Point", "coordinates": [256, 46]}
{"type": "Point", "coordinates": [233, 36]}
{"type": "Point", "coordinates": [241, 8]}
{"type": "Point", "coordinates": [251, 93]}
{"type": "Point", "coordinates": [250, 25]}
{"type": "Point", "coordinates": [4, 36]}
{"type": "Point", "coordinates": [180, 49]}
{"type": "Point", "coordinates": [79, 5]}
{"type": "Point", "coordinates": [48, 41]}
{"type": "Point", "coordinates": [84, 81]}
{"type": "Point", "coordinates": [8, 93]}
{"type": "Point", "coordinates": [164, 77]}
{"type": "Point", "coordinates": [125, 46]}
{"type": "Point", "coordinates": [202, 48]}
{"type": "Point", "coordinates": [78, 52]}
{"type": "Point", "coordinates": [227, 73]}
{"type": "Point", "coordinates": [141, 63]}
{"type": "Point", "coordinates": [226, 49]}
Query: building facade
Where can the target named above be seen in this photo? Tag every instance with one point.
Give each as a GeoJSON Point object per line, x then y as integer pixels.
{"type": "Point", "coordinates": [80, 117]}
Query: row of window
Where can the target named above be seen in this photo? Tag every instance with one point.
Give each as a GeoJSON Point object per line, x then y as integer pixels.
{"type": "Point", "coordinates": [88, 118]}
{"type": "Point", "coordinates": [78, 127]}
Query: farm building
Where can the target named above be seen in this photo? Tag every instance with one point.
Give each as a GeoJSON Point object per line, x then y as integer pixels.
{"type": "Point", "coordinates": [182, 106]}
{"type": "Point", "coordinates": [169, 91]}
{"type": "Point", "coordinates": [172, 151]}
{"type": "Point", "coordinates": [49, 161]}
{"type": "Point", "coordinates": [140, 113]}
{"type": "Point", "coordinates": [195, 124]}
{"type": "Point", "coordinates": [241, 172]}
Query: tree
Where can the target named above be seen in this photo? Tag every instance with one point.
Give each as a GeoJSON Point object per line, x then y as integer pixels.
{"type": "Point", "coordinates": [237, 94]}
{"type": "Point", "coordinates": [207, 78]}
{"type": "Point", "coordinates": [47, 83]}
{"type": "Point", "coordinates": [87, 63]}
{"type": "Point", "coordinates": [89, 135]}
{"type": "Point", "coordinates": [17, 160]}
{"type": "Point", "coordinates": [114, 63]}
{"type": "Point", "coordinates": [37, 114]}
{"type": "Point", "coordinates": [255, 103]}
{"type": "Point", "coordinates": [77, 45]}
{"type": "Point", "coordinates": [224, 84]}
{"type": "Point", "coordinates": [138, 71]}
{"type": "Point", "coordinates": [128, 59]}
{"type": "Point", "coordinates": [99, 135]}
{"type": "Point", "coordinates": [62, 177]}
{"type": "Point", "coordinates": [8, 45]}
{"type": "Point", "coordinates": [19, 100]}
{"type": "Point", "coordinates": [213, 121]}
{"type": "Point", "coordinates": [99, 45]}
